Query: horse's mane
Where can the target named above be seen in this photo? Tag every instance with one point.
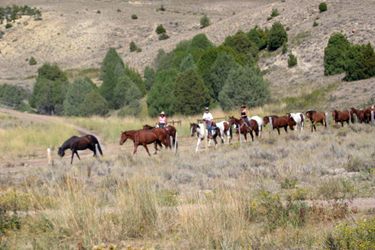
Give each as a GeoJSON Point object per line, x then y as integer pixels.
{"type": "Point", "coordinates": [65, 144]}
{"type": "Point", "coordinates": [311, 111]}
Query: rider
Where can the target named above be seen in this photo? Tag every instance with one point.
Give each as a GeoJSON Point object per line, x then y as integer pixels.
{"type": "Point", "coordinates": [207, 117]}
{"type": "Point", "coordinates": [245, 114]}
{"type": "Point", "coordinates": [162, 121]}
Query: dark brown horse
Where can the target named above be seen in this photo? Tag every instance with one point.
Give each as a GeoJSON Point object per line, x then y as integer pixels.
{"type": "Point", "coordinates": [279, 122]}
{"type": "Point", "coordinates": [367, 114]}
{"type": "Point", "coordinates": [80, 143]}
{"type": "Point", "coordinates": [244, 128]}
{"type": "Point", "coordinates": [360, 114]}
{"type": "Point", "coordinates": [316, 117]}
{"type": "Point", "coordinates": [344, 116]}
{"type": "Point", "coordinates": [144, 137]}
{"type": "Point", "coordinates": [172, 132]}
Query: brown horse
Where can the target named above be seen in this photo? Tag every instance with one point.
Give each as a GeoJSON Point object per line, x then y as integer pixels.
{"type": "Point", "coordinates": [172, 132]}
{"type": "Point", "coordinates": [279, 122]}
{"type": "Point", "coordinates": [367, 114]}
{"type": "Point", "coordinates": [360, 114]}
{"type": "Point", "coordinates": [144, 137]}
{"type": "Point", "coordinates": [344, 116]}
{"type": "Point", "coordinates": [244, 128]}
{"type": "Point", "coordinates": [80, 143]}
{"type": "Point", "coordinates": [316, 117]}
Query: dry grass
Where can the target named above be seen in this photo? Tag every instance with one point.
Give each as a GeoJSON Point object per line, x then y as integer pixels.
{"type": "Point", "coordinates": [229, 198]}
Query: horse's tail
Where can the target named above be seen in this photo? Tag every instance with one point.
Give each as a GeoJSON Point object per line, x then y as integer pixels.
{"type": "Point", "coordinates": [96, 142]}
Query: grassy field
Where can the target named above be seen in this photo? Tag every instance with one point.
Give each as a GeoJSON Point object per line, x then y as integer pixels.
{"type": "Point", "coordinates": [298, 190]}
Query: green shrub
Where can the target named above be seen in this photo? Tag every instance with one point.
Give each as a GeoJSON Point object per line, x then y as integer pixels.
{"type": "Point", "coordinates": [139, 50]}
{"type": "Point", "coordinates": [336, 55]}
{"type": "Point", "coordinates": [98, 11]}
{"type": "Point", "coordinates": [160, 30]}
{"type": "Point", "coordinates": [32, 61]}
{"type": "Point", "coordinates": [275, 13]}
{"type": "Point", "coordinates": [285, 49]}
{"type": "Point", "coordinates": [75, 95]}
{"type": "Point", "coordinates": [277, 36]}
{"type": "Point", "coordinates": [8, 26]}
{"type": "Point", "coordinates": [315, 24]}
{"type": "Point", "coordinates": [361, 235]}
{"type": "Point", "coordinates": [163, 36]}
{"type": "Point", "coordinates": [94, 104]}
{"type": "Point", "coordinates": [118, 10]}
{"type": "Point", "coordinates": [292, 61]}
{"type": "Point", "coordinates": [323, 7]}
{"type": "Point", "coordinates": [161, 8]}
{"type": "Point", "coordinates": [134, 16]}
{"type": "Point", "coordinates": [205, 21]}
{"type": "Point", "coordinates": [133, 47]}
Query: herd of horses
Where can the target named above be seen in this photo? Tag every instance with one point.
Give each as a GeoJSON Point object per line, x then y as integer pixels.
{"type": "Point", "coordinates": [162, 136]}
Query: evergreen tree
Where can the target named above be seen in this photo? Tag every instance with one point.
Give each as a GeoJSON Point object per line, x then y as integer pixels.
{"type": "Point", "coordinates": [205, 21]}
{"type": "Point", "coordinates": [161, 96]}
{"type": "Point", "coordinates": [244, 85]}
{"type": "Point", "coordinates": [11, 95]}
{"type": "Point", "coordinates": [94, 104]}
{"type": "Point", "coordinates": [361, 62]}
{"type": "Point", "coordinates": [277, 36]}
{"type": "Point", "coordinates": [188, 63]}
{"type": "Point", "coordinates": [198, 45]}
{"type": "Point", "coordinates": [256, 37]}
{"type": "Point", "coordinates": [191, 95]}
{"type": "Point", "coordinates": [136, 78]}
{"type": "Point", "coordinates": [224, 63]}
{"type": "Point", "coordinates": [336, 55]}
{"type": "Point", "coordinates": [75, 95]}
{"type": "Point", "coordinates": [149, 75]}
{"type": "Point", "coordinates": [122, 86]}
{"type": "Point", "coordinates": [112, 63]}
{"type": "Point", "coordinates": [49, 90]}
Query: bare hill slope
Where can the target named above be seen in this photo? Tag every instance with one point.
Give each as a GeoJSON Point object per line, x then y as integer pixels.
{"type": "Point", "coordinates": [74, 35]}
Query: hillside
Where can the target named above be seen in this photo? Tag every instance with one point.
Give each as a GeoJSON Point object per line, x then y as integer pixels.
{"type": "Point", "coordinates": [75, 36]}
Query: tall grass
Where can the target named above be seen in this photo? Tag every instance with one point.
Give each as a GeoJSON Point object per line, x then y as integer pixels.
{"type": "Point", "coordinates": [26, 137]}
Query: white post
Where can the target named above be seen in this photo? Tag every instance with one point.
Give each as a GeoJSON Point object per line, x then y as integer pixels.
{"type": "Point", "coordinates": [372, 117]}
{"type": "Point", "coordinates": [97, 151]}
{"type": "Point", "coordinates": [50, 162]}
{"type": "Point", "coordinates": [239, 134]}
{"type": "Point", "coordinates": [327, 120]}
{"type": "Point", "coordinates": [175, 144]}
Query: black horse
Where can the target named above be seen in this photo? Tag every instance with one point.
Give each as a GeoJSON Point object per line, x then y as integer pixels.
{"type": "Point", "coordinates": [80, 143]}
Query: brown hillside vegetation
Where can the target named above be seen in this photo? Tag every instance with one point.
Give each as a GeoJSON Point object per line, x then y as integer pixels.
{"type": "Point", "coordinates": [73, 35]}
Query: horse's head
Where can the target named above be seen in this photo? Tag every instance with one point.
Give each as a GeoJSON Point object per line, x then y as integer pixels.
{"type": "Point", "coordinates": [193, 129]}
{"type": "Point", "coordinates": [231, 121]}
{"type": "Point", "coordinates": [266, 120]}
{"type": "Point", "coordinates": [145, 127]}
{"type": "Point", "coordinates": [61, 152]}
{"type": "Point", "coordinates": [334, 114]}
{"type": "Point", "coordinates": [124, 137]}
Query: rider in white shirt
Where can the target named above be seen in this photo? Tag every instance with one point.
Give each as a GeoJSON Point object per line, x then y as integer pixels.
{"type": "Point", "coordinates": [207, 117]}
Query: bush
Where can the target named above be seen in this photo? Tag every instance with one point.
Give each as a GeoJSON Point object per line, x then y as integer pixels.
{"type": "Point", "coordinates": [292, 61]}
{"type": "Point", "coordinates": [336, 55]}
{"type": "Point", "coordinates": [134, 16]}
{"type": "Point", "coordinates": [205, 21]}
{"type": "Point", "coordinates": [285, 49]}
{"type": "Point", "coordinates": [323, 7]}
{"type": "Point", "coordinates": [8, 26]}
{"type": "Point", "coordinates": [275, 13]}
{"type": "Point", "coordinates": [133, 47]}
{"type": "Point", "coordinates": [32, 61]}
{"type": "Point", "coordinates": [11, 95]}
{"type": "Point", "coordinates": [98, 11]}
{"type": "Point", "coordinates": [315, 24]}
{"type": "Point", "coordinates": [163, 36]}
{"type": "Point", "coordinates": [160, 30]}
{"type": "Point", "coordinates": [161, 8]}
{"type": "Point", "coordinates": [277, 36]}
{"type": "Point", "coordinates": [94, 104]}
{"type": "Point", "coordinates": [75, 95]}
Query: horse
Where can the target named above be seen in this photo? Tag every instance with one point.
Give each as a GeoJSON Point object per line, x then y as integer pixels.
{"type": "Point", "coordinates": [201, 133]}
{"type": "Point", "coordinates": [344, 116]}
{"type": "Point", "coordinates": [79, 143]}
{"type": "Point", "coordinates": [367, 114]}
{"type": "Point", "coordinates": [144, 137]}
{"type": "Point", "coordinates": [172, 132]}
{"type": "Point", "coordinates": [299, 118]}
{"type": "Point", "coordinates": [225, 129]}
{"type": "Point", "coordinates": [316, 117]}
{"type": "Point", "coordinates": [279, 122]}
{"type": "Point", "coordinates": [244, 128]}
{"type": "Point", "coordinates": [259, 122]}
{"type": "Point", "coordinates": [360, 114]}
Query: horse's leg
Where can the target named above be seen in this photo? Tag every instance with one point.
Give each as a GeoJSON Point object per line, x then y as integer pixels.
{"type": "Point", "coordinates": [156, 147]}
{"type": "Point", "coordinates": [77, 155]}
{"type": "Point", "coordinates": [145, 146]}
{"type": "Point", "coordinates": [278, 130]}
{"type": "Point", "coordinates": [251, 134]}
{"type": "Point", "coordinates": [71, 161]}
{"type": "Point", "coordinates": [199, 141]}
{"type": "Point", "coordinates": [135, 148]}
{"type": "Point", "coordinates": [286, 128]}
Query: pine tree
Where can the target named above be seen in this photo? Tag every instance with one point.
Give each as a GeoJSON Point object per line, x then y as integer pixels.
{"type": "Point", "coordinates": [75, 95]}
{"type": "Point", "coordinates": [244, 85]}
{"type": "Point", "coordinates": [277, 36]}
{"type": "Point", "coordinates": [94, 104]}
{"type": "Point", "coordinates": [191, 95]}
{"type": "Point", "coordinates": [336, 55]}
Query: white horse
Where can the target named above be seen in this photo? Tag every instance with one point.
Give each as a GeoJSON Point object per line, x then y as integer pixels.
{"type": "Point", "coordinates": [225, 129]}
{"type": "Point", "coordinates": [260, 123]}
{"type": "Point", "coordinates": [201, 133]}
{"type": "Point", "coordinates": [299, 118]}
